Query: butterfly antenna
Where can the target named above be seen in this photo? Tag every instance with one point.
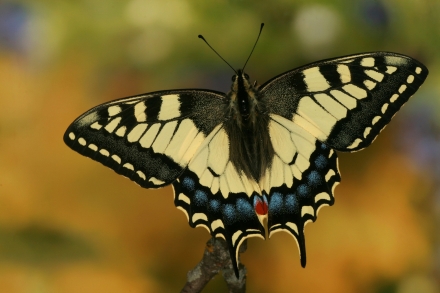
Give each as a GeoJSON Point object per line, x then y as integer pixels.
{"type": "Point", "coordinates": [261, 28]}
{"type": "Point", "coordinates": [201, 37]}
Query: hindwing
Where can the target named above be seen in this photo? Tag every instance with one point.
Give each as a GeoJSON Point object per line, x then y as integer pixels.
{"type": "Point", "coordinates": [214, 195]}
{"type": "Point", "coordinates": [302, 179]}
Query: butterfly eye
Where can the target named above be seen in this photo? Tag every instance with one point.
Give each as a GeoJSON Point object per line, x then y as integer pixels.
{"type": "Point", "coordinates": [246, 76]}
{"type": "Point", "coordinates": [234, 77]}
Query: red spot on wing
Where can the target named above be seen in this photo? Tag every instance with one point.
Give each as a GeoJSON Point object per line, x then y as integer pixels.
{"type": "Point", "coordinates": [261, 207]}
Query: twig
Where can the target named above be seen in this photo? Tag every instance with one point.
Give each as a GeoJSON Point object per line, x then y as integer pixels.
{"type": "Point", "coordinates": [216, 258]}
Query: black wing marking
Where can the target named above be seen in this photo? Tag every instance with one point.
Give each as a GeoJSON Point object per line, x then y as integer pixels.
{"type": "Point", "coordinates": [148, 138]}
{"type": "Point", "coordinates": [345, 102]}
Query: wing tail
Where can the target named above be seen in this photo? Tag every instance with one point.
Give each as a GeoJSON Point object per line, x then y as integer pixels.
{"type": "Point", "coordinates": [231, 217]}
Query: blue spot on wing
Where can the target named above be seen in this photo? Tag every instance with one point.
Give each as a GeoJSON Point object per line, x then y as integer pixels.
{"type": "Point", "coordinates": [314, 178]}
{"type": "Point", "coordinates": [200, 198]}
{"type": "Point", "coordinates": [244, 209]}
{"type": "Point", "coordinates": [276, 203]}
{"type": "Point", "coordinates": [303, 190]}
{"type": "Point", "coordinates": [214, 205]}
{"type": "Point", "coordinates": [188, 183]}
{"type": "Point", "coordinates": [291, 204]}
{"type": "Point", "coordinates": [229, 214]}
{"type": "Point", "coordinates": [321, 162]}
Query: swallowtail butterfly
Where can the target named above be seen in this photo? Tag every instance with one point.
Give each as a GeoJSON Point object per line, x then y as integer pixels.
{"type": "Point", "coordinates": [256, 153]}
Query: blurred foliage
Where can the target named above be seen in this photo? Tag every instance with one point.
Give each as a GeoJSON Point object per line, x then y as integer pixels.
{"type": "Point", "coordinates": [40, 245]}
{"type": "Point", "coordinates": [67, 224]}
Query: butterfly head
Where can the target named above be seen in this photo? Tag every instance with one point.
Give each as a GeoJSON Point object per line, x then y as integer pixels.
{"type": "Point", "coordinates": [240, 82]}
{"type": "Point", "coordinates": [244, 98]}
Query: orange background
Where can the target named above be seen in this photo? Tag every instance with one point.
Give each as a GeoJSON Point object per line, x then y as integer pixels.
{"type": "Point", "coordinates": [68, 224]}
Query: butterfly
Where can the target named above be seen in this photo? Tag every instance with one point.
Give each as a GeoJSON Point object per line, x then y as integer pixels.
{"type": "Point", "coordinates": [255, 154]}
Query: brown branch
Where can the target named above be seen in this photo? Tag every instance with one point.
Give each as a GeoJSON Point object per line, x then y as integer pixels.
{"type": "Point", "coordinates": [216, 258]}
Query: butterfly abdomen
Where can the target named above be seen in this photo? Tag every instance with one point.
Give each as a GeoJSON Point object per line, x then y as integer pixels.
{"type": "Point", "coordinates": [250, 148]}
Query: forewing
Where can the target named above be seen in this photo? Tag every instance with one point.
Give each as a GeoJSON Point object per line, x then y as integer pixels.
{"type": "Point", "coordinates": [215, 196]}
{"type": "Point", "coordinates": [148, 138]}
{"type": "Point", "coordinates": [301, 179]}
{"type": "Point", "coordinates": [345, 102]}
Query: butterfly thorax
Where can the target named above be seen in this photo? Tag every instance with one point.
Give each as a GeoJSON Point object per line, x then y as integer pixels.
{"type": "Point", "coordinates": [250, 147]}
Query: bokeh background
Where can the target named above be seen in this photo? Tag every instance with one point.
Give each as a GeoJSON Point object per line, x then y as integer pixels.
{"type": "Point", "coordinates": [69, 224]}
